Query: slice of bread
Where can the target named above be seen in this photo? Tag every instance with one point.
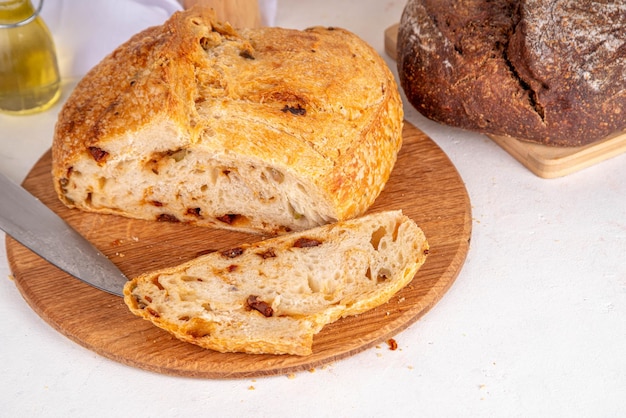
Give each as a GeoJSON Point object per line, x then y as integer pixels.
{"type": "Point", "coordinates": [273, 296]}
{"type": "Point", "coordinates": [262, 130]}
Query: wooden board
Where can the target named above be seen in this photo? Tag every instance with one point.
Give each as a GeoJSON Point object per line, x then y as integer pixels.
{"type": "Point", "coordinates": [543, 161]}
{"type": "Point", "coordinates": [424, 184]}
{"type": "Point", "coordinates": [552, 162]}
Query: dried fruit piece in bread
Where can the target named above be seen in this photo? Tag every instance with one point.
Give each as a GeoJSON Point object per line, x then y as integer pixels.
{"type": "Point", "coordinates": [273, 296]}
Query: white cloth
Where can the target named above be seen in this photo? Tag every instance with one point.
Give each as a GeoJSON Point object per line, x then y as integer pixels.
{"type": "Point", "coordinates": [268, 8]}
{"type": "Point", "coordinates": [85, 32]}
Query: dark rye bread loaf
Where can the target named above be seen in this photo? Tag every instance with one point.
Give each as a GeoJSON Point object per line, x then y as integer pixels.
{"type": "Point", "coordinates": [551, 72]}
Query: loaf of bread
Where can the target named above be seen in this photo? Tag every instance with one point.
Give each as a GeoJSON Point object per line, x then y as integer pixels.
{"type": "Point", "coordinates": [551, 72]}
{"type": "Point", "coordinates": [260, 130]}
{"type": "Point", "coordinates": [273, 296]}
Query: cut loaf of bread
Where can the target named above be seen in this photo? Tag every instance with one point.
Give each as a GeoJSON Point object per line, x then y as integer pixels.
{"type": "Point", "coordinates": [261, 130]}
{"type": "Point", "coordinates": [273, 296]}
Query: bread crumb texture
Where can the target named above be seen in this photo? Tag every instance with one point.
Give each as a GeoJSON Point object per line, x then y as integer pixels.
{"type": "Point", "coordinates": [269, 130]}
{"type": "Point", "coordinates": [274, 296]}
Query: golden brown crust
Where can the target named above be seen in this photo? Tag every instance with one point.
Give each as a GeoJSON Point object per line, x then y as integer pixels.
{"type": "Point", "coordinates": [320, 104]}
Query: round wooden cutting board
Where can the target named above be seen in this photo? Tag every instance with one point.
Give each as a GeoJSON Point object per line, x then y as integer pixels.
{"type": "Point", "coordinates": [424, 184]}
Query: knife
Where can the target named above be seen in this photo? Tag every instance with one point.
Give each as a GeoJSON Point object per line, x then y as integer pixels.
{"type": "Point", "coordinates": [37, 227]}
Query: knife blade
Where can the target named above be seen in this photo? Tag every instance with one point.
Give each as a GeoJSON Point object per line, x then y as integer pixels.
{"type": "Point", "coordinates": [38, 228]}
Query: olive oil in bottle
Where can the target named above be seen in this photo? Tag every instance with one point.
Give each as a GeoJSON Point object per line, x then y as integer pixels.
{"type": "Point", "coordinates": [29, 74]}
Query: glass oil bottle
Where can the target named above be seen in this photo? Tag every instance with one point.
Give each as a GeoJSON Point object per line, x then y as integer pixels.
{"type": "Point", "coordinates": [29, 74]}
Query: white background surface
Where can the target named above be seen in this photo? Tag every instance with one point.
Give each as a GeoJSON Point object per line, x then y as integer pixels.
{"type": "Point", "coordinates": [535, 324]}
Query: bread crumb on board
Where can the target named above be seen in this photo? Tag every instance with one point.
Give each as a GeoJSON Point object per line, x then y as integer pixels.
{"type": "Point", "coordinates": [393, 345]}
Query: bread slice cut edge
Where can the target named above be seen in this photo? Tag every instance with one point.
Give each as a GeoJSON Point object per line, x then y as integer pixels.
{"type": "Point", "coordinates": [274, 296]}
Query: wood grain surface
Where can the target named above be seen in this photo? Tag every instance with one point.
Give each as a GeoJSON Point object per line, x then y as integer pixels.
{"type": "Point", "coordinates": [552, 162]}
{"type": "Point", "coordinates": [543, 161]}
{"type": "Point", "coordinates": [424, 184]}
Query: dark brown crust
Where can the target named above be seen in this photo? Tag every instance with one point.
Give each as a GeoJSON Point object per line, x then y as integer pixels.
{"type": "Point", "coordinates": [551, 72]}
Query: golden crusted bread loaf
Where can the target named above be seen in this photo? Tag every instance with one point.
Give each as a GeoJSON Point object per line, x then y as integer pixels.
{"type": "Point", "coordinates": [273, 296]}
{"type": "Point", "coordinates": [267, 130]}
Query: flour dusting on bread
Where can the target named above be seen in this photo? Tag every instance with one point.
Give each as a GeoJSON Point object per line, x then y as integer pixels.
{"type": "Point", "coordinates": [550, 72]}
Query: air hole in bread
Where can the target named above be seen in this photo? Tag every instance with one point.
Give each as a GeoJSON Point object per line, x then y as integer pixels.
{"type": "Point", "coordinates": [296, 215]}
{"type": "Point", "coordinates": [102, 182]}
{"type": "Point", "coordinates": [213, 175]}
{"type": "Point", "coordinates": [159, 158]}
{"type": "Point", "coordinates": [276, 175]}
{"type": "Point", "coordinates": [88, 199]}
{"type": "Point", "coordinates": [394, 236]}
{"type": "Point", "coordinates": [187, 296]}
{"type": "Point", "coordinates": [383, 275]}
{"type": "Point", "coordinates": [152, 165]}
{"type": "Point", "coordinates": [377, 236]}
{"type": "Point", "coordinates": [314, 285]}
{"type": "Point", "coordinates": [228, 173]}
{"type": "Point", "coordinates": [247, 54]}
{"type": "Point", "coordinates": [198, 328]}
{"type": "Point", "coordinates": [205, 43]}
{"type": "Point", "coordinates": [179, 154]}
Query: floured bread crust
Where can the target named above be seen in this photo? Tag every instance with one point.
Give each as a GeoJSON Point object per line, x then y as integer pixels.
{"type": "Point", "coordinates": [551, 72]}
{"type": "Point", "coordinates": [265, 130]}
{"type": "Point", "coordinates": [273, 296]}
